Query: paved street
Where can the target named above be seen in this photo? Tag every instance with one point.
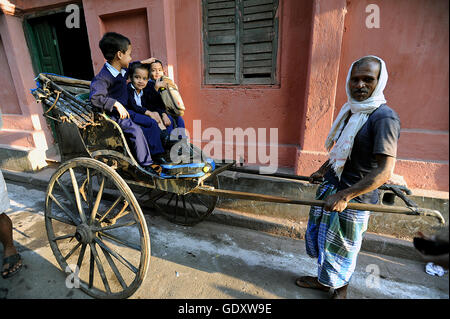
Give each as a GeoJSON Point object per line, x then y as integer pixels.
{"type": "Point", "coordinates": [208, 261]}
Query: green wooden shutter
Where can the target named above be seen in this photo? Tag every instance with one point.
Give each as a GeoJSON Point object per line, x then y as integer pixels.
{"type": "Point", "coordinates": [240, 41]}
{"type": "Point", "coordinates": [220, 41]}
{"type": "Point", "coordinates": [259, 41]}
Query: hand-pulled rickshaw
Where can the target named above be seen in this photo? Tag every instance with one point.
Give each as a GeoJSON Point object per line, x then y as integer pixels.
{"type": "Point", "coordinates": [94, 222]}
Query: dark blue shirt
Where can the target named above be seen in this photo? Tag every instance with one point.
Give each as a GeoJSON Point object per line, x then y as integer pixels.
{"type": "Point", "coordinates": [107, 89]}
{"type": "Point", "coordinates": [147, 100]}
{"type": "Point", "coordinates": [153, 98]}
{"type": "Point", "coordinates": [379, 135]}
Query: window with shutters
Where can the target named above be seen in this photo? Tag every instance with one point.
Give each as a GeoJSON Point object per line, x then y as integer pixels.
{"type": "Point", "coordinates": [240, 39]}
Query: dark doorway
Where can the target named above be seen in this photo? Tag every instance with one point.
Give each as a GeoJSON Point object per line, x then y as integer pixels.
{"type": "Point", "coordinates": [55, 48]}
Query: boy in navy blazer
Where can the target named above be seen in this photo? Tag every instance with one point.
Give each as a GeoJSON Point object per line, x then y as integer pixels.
{"type": "Point", "coordinates": [109, 93]}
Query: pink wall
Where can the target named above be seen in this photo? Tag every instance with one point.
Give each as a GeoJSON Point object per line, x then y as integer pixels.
{"type": "Point", "coordinates": [413, 41]}
{"type": "Point", "coordinates": [316, 47]}
{"type": "Point", "coordinates": [136, 19]}
{"type": "Point", "coordinates": [318, 40]}
{"type": "Point", "coordinates": [279, 106]}
{"type": "Point", "coordinates": [23, 123]}
{"type": "Point", "coordinates": [135, 24]}
{"type": "Point", "coordinates": [9, 104]}
{"type": "Point", "coordinates": [324, 54]}
{"type": "Point", "coordinates": [27, 5]}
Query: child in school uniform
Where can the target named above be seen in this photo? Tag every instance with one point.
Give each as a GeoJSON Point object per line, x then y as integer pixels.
{"type": "Point", "coordinates": [108, 92]}
{"type": "Point", "coordinates": [138, 100]}
{"type": "Point", "coordinates": [139, 75]}
{"type": "Point", "coordinates": [149, 120]}
{"type": "Point", "coordinates": [174, 124]}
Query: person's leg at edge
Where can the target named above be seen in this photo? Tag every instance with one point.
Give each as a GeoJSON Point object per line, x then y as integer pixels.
{"type": "Point", "coordinates": [6, 238]}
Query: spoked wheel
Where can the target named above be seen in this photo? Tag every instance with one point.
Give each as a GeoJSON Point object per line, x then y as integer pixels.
{"type": "Point", "coordinates": [186, 210]}
{"type": "Point", "coordinates": [96, 229]}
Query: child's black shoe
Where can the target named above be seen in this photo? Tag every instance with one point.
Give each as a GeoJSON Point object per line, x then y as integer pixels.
{"type": "Point", "coordinates": [159, 159]}
{"type": "Point", "coordinates": [165, 138]}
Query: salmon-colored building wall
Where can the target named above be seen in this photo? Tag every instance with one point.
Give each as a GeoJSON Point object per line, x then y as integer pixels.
{"type": "Point", "coordinates": [413, 40]}
{"type": "Point", "coordinates": [143, 22]}
{"type": "Point", "coordinates": [10, 103]}
{"type": "Point", "coordinates": [318, 40]}
{"type": "Point", "coordinates": [23, 125]}
{"type": "Point", "coordinates": [279, 106]}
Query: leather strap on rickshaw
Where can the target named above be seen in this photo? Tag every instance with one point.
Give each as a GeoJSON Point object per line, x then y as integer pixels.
{"type": "Point", "coordinates": [54, 103]}
{"type": "Point", "coordinates": [157, 169]}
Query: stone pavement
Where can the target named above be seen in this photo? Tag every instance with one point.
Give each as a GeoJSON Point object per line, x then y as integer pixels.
{"type": "Point", "coordinates": [206, 262]}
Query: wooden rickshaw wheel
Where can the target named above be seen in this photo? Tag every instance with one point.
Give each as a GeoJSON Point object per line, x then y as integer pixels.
{"type": "Point", "coordinates": [96, 229]}
{"type": "Point", "coordinates": [188, 209]}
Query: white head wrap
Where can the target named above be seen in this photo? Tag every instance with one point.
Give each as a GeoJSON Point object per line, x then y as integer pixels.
{"type": "Point", "coordinates": [342, 136]}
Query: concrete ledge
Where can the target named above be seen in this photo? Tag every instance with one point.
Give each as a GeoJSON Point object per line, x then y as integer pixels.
{"type": "Point", "coordinates": [390, 246]}
{"type": "Point", "coordinates": [38, 179]}
{"type": "Point", "coordinates": [21, 159]}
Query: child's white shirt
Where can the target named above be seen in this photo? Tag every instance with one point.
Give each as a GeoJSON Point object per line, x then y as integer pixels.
{"type": "Point", "coordinates": [137, 96]}
{"type": "Point", "coordinates": [114, 71]}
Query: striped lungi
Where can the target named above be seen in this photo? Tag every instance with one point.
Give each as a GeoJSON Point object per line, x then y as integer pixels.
{"type": "Point", "coordinates": [334, 239]}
